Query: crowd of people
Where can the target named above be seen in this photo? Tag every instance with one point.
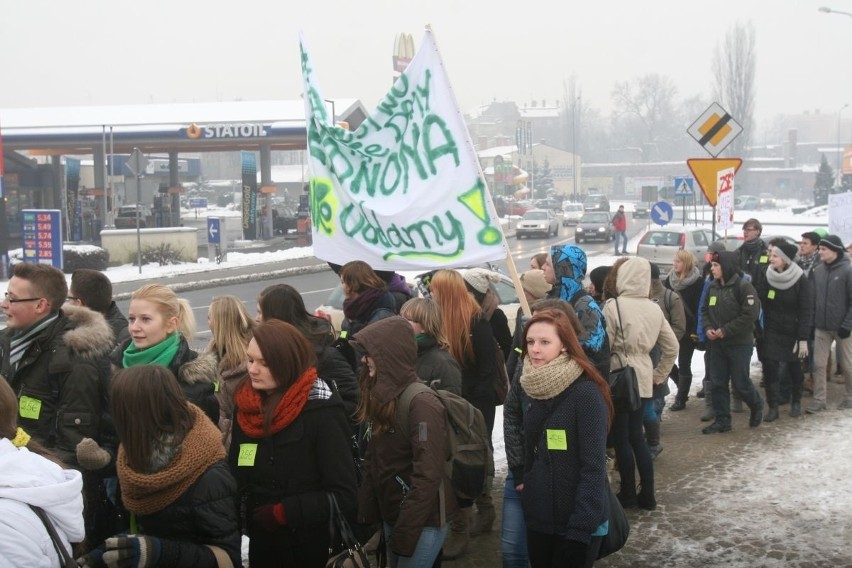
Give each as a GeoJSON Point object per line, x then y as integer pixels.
{"type": "Point", "coordinates": [141, 451]}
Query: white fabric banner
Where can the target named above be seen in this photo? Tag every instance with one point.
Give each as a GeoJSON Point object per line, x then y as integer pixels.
{"type": "Point", "coordinates": [404, 190]}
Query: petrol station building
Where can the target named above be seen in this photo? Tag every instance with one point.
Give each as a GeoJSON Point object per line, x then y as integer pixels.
{"type": "Point", "coordinates": [35, 142]}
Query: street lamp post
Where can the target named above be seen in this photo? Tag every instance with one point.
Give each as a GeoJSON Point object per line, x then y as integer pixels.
{"type": "Point", "coordinates": [574, 144]}
{"type": "Point", "coordinates": [828, 10]}
{"type": "Point", "coordinates": [839, 149]}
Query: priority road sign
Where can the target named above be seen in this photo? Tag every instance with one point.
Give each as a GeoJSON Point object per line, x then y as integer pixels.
{"type": "Point", "coordinates": [706, 171]}
{"type": "Point", "coordinates": [662, 212]}
{"type": "Point", "coordinates": [715, 129]}
{"type": "Point", "coordinates": [684, 186]}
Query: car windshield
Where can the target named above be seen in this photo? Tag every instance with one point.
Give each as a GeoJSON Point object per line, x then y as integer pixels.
{"type": "Point", "coordinates": [535, 216]}
{"type": "Point", "coordinates": [574, 207]}
{"type": "Point", "coordinates": [595, 218]}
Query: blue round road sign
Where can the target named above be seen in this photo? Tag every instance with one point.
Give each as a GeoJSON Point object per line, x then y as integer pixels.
{"type": "Point", "coordinates": [662, 213]}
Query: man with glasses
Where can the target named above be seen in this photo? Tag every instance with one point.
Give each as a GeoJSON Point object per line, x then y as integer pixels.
{"type": "Point", "coordinates": [832, 297]}
{"type": "Point", "coordinates": [54, 358]}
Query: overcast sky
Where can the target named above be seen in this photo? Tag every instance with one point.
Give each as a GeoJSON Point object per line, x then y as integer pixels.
{"type": "Point", "coordinates": [100, 52]}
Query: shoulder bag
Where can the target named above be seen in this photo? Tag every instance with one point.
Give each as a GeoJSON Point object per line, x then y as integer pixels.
{"type": "Point", "coordinates": [65, 559]}
{"type": "Point", "coordinates": [623, 383]}
{"type": "Point", "coordinates": [352, 554]}
{"type": "Point", "coordinates": [619, 526]}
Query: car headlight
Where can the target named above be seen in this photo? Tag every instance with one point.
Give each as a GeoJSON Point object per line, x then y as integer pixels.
{"type": "Point", "coordinates": [579, 230]}
{"type": "Point", "coordinates": [601, 229]}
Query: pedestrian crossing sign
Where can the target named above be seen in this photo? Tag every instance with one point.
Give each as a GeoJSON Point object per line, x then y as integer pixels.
{"type": "Point", "coordinates": [684, 186]}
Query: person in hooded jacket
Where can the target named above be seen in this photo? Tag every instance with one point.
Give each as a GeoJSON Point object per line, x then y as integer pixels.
{"type": "Point", "coordinates": [685, 279]}
{"type": "Point", "coordinates": [173, 479]}
{"type": "Point", "coordinates": [32, 476]}
{"type": "Point", "coordinates": [788, 319]}
{"type": "Point", "coordinates": [285, 303]}
{"type": "Point", "coordinates": [367, 297]}
{"type": "Point", "coordinates": [728, 316]}
{"type": "Point", "coordinates": [161, 326]}
{"type": "Point", "coordinates": [404, 482]}
{"type": "Point", "coordinates": [231, 327]}
{"type": "Point", "coordinates": [479, 283]}
{"type": "Point", "coordinates": [290, 448]}
{"type": "Point", "coordinates": [635, 324]}
{"type": "Point", "coordinates": [565, 270]}
{"type": "Point", "coordinates": [435, 366]}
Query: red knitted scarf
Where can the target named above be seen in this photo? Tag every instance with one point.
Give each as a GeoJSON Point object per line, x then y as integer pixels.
{"type": "Point", "coordinates": [250, 405]}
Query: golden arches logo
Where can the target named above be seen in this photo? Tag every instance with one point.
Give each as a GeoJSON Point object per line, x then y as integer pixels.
{"type": "Point", "coordinates": [194, 131]}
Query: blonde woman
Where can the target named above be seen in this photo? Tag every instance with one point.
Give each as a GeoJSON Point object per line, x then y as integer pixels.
{"type": "Point", "coordinates": [435, 366]}
{"type": "Point", "coordinates": [231, 326]}
{"type": "Point", "coordinates": [161, 326]}
{"type": "Point", "coordinates": [685, 279]}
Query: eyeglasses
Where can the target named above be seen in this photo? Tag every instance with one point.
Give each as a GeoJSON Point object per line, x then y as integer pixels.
{"type": "Point", "coordinates": [749, 229]}
{"type": "Point", "coordinates": [12, 300]}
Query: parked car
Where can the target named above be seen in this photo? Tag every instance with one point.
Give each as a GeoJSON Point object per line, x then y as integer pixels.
{"type": "Point", "coordinates": [746, 202]}
{"type": "Point", "coordinates": [642, 210]}
{"type": "Point", "coordinates": [283, 219]}
{"type": "Point", "coordinates": [594, 225]}
{"type": "Point", "coordinates": [571, 213]}
{"type": "Point", "coordinates": [537, 222]}
{"type": "Point", "coordinates": [332, 309]}
{"type": "Point", "coordinates": [552, 204]}
{"type": "Point", "coordinates": [596, 203]}
{"type": "Point", "coordinates": [508, 207]}
{"type": "Point", "coordinates": [767, 201]}
{"type": "Point", "coordinates": [660, 244]}
{"type": "Point", "coordinates": [125, 218]}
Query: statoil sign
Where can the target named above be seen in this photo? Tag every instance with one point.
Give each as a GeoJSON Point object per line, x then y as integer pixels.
{"type": "Point", "coordinates": [225, 130]}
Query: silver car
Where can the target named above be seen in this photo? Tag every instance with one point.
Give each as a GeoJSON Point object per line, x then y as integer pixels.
{"type": "Point", "coordinates": [571, 213]}
{"type": "Point", "coordinates": [660, 244]}
{"type": "Point", "coordinates": [537, 222]}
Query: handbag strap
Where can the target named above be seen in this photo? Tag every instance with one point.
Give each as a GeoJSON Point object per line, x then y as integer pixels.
{"type": "Point", "coordinates": [338, 525]}
{"type": "Point", "coordinates": [66, 559]}
{"type": "Point", "coordinates": [621, 330]}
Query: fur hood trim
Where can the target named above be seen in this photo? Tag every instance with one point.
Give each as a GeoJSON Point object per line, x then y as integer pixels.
{"type": "Point", "coordinates": [89, 335]}
{"type": "Point", "coordinates": [202, 369]}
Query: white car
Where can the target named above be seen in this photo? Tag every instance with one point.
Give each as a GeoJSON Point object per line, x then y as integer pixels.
{"type": "Point", "coordinates": [660, 244]}
{"type": "Point", "coordinates": [332, 309]}
{"type": "Point", "coordinates": [537, 222]}
{"type": "Point", "coordinates": [571, 213]}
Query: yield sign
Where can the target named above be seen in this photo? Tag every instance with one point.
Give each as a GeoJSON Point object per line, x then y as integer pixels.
{"type": "Point", "coordinates": [706, 172]}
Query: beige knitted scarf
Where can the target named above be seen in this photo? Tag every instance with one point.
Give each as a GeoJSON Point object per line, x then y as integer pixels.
{"type": "Point", "coordinates": [551, 379]}
{"type": "Point", "coordinates": [147, 493]}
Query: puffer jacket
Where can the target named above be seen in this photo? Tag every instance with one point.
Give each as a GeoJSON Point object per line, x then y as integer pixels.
{"type": "Point", "coordinates": [66, 370]}
{"type": "Point", "coordinates": [832, 292]}
{"type": "Point", "coordinates": [392, 460]}
{"type": "Point", "coordinates": [731, 310]}
{"type": "Point", "coordinates": [196, 374]}
{"type": "Point", "coordinates": [641, 325]}
{"type": "Point", "coordinates": [788, 318]}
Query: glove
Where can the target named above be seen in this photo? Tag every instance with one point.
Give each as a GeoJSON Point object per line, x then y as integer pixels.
{"type": "Point", "coordinates": [270, 517]}
{"type": "Point", "coordinates": [132, 551]}
{"type": "Point", "coordinates": [801, 349]}
{"type": "Point", "coordinates": [843, 333]}
{"type": "Point", "coordinates": [92, 559]}
{"type": "Point", "coordinates": [90, 455]}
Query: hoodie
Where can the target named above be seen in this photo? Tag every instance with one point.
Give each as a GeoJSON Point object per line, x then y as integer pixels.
{"type": "Point", "coordinates": [635, 323]}
{"type": "Point", "coordinates": [30, 479]}
{"type": "Point", "coordinates": [403, 478]}
{"type": "Point", "coordinates": [726, 308]}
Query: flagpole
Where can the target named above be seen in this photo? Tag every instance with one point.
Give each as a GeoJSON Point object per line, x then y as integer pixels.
{"type": "Point", "coordinates": [510, 263]}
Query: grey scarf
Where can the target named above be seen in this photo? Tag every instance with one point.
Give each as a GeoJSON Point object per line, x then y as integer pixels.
{"type": "Point", "coordinates": [677, 283]}
{"type": "Point", "coordinates": [784, 280]}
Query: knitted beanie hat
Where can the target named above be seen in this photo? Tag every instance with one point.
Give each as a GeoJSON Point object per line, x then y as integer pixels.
{"type": "Point", "coordinates": [479, 278]}
{"type": "Point", "coordinates": [832, 242]}
{"type": "Point", "coordinates": [533, 282]}
{"type": "Point", "coordinates": [785, 250]}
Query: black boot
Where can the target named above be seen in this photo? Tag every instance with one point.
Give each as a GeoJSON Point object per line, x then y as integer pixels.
{"type": "Point", "coordinates": [796, 409]}
{"type": "Point", "coordinates": [772, 395]}
{"type": "Point", "coordinates": [756, 416]}
{"type": "Point", "coordinates": [652, 436]}
{"type": "Point", "coordinates": [646, 499]}
{"type": "Point", "coordinates": [772, 415]}
{"type": "Point", "coordinates": [678, 404]}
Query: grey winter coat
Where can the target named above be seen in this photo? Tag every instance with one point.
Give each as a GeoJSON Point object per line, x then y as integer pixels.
{"type": "Point", "coordinates": [832, 293]}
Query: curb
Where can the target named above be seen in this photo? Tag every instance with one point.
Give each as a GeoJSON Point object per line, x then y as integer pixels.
{"type": "Point", "coordinates": [254, 277]}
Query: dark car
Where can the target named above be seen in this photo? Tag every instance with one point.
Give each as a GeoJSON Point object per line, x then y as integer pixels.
{"type": "Point", "coordinates": [283, 220]}
{"type": "Point", "coordinates": [596, 203]}
{"type": "Point", "coordinates": [642, 210]}
{"type": "Point", "coordinates": [594, 225]}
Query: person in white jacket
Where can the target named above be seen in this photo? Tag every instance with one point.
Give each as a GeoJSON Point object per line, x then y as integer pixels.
{"type": "Point", "coordinates": [30, 476]}
{"type": "Point", "coordinates": [634, 325]}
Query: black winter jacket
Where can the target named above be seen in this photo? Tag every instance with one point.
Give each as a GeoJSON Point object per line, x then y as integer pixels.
{"type": "Point", "coordinates": [788, 318]}
{"type": "Point", "coordinates": [733, 311]}
{"type": "Point", "coordinates": [436, 367]}
{"type": "Point", "coordinates": [565, 490]}
{"type": "Point", "coordinates": [832, 292]}
{"type": "Point", "coordinates": [66, 371]}
{"type": "Point", "coordinates": [206, 514]}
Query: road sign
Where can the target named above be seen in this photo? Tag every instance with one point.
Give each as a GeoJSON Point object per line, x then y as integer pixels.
{"type": "Point", "coordinates": [198, 203]}
{"type": "Point", "coordinates": [706, 171]}
{"type": "Point", "coordinates": [41, 232]}
{"type": "Point", "coordinates": [715, 129]}
{"type": "Point", "coordinates": [137, 162]}
{"type": "Point", "coordinates": [662, 212]}
{"type": "Point", "coordinates": [684, 186]}
{"type": "Point", "coordinates": [214, 233]}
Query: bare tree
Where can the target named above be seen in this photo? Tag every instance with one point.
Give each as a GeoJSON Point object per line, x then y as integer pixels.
{"type": "Point", "coordinates": [734, 67]}
{"type": "Point", "coordinates": [644, 114]}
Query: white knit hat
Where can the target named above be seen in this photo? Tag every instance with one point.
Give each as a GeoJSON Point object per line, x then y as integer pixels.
{"type": "Point", "coordinates": [479, 278]}
{"type": "Point", "coordinates": [533, 282]}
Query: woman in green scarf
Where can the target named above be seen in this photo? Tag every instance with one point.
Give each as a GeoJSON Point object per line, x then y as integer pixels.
{"type": "Point", "coordinates": [160, 325]}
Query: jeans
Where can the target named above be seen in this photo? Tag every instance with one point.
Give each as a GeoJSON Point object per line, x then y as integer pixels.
{"type": "Point", "coordinates": [513, 540]}
{"type": "Point", "coordinates": [631, 451]}
{"type": "Point", "coordinates": [428, 547]}
{"type": "Point", "coordinates": [730, 364]}
{"type": "Point", "coordinates": [620, 235]}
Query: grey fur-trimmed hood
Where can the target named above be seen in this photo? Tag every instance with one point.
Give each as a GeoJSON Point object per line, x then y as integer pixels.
{"type": "Point", "coordinates": [89, 335]}
{"type": "Point", "coordinates": [202, 369]}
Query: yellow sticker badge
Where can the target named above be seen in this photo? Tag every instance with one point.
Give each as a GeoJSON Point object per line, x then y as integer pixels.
{"type": "Point", "coordinates": [29, 407]}
{"type": "Point", "coordinates": [557, 440]}
{"type": "Point", "coordinates": [712, 300]}
{"type": "Point", "coordinates": [771, 294]}
{"type": "Point", "coordinates": [247, 454]}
